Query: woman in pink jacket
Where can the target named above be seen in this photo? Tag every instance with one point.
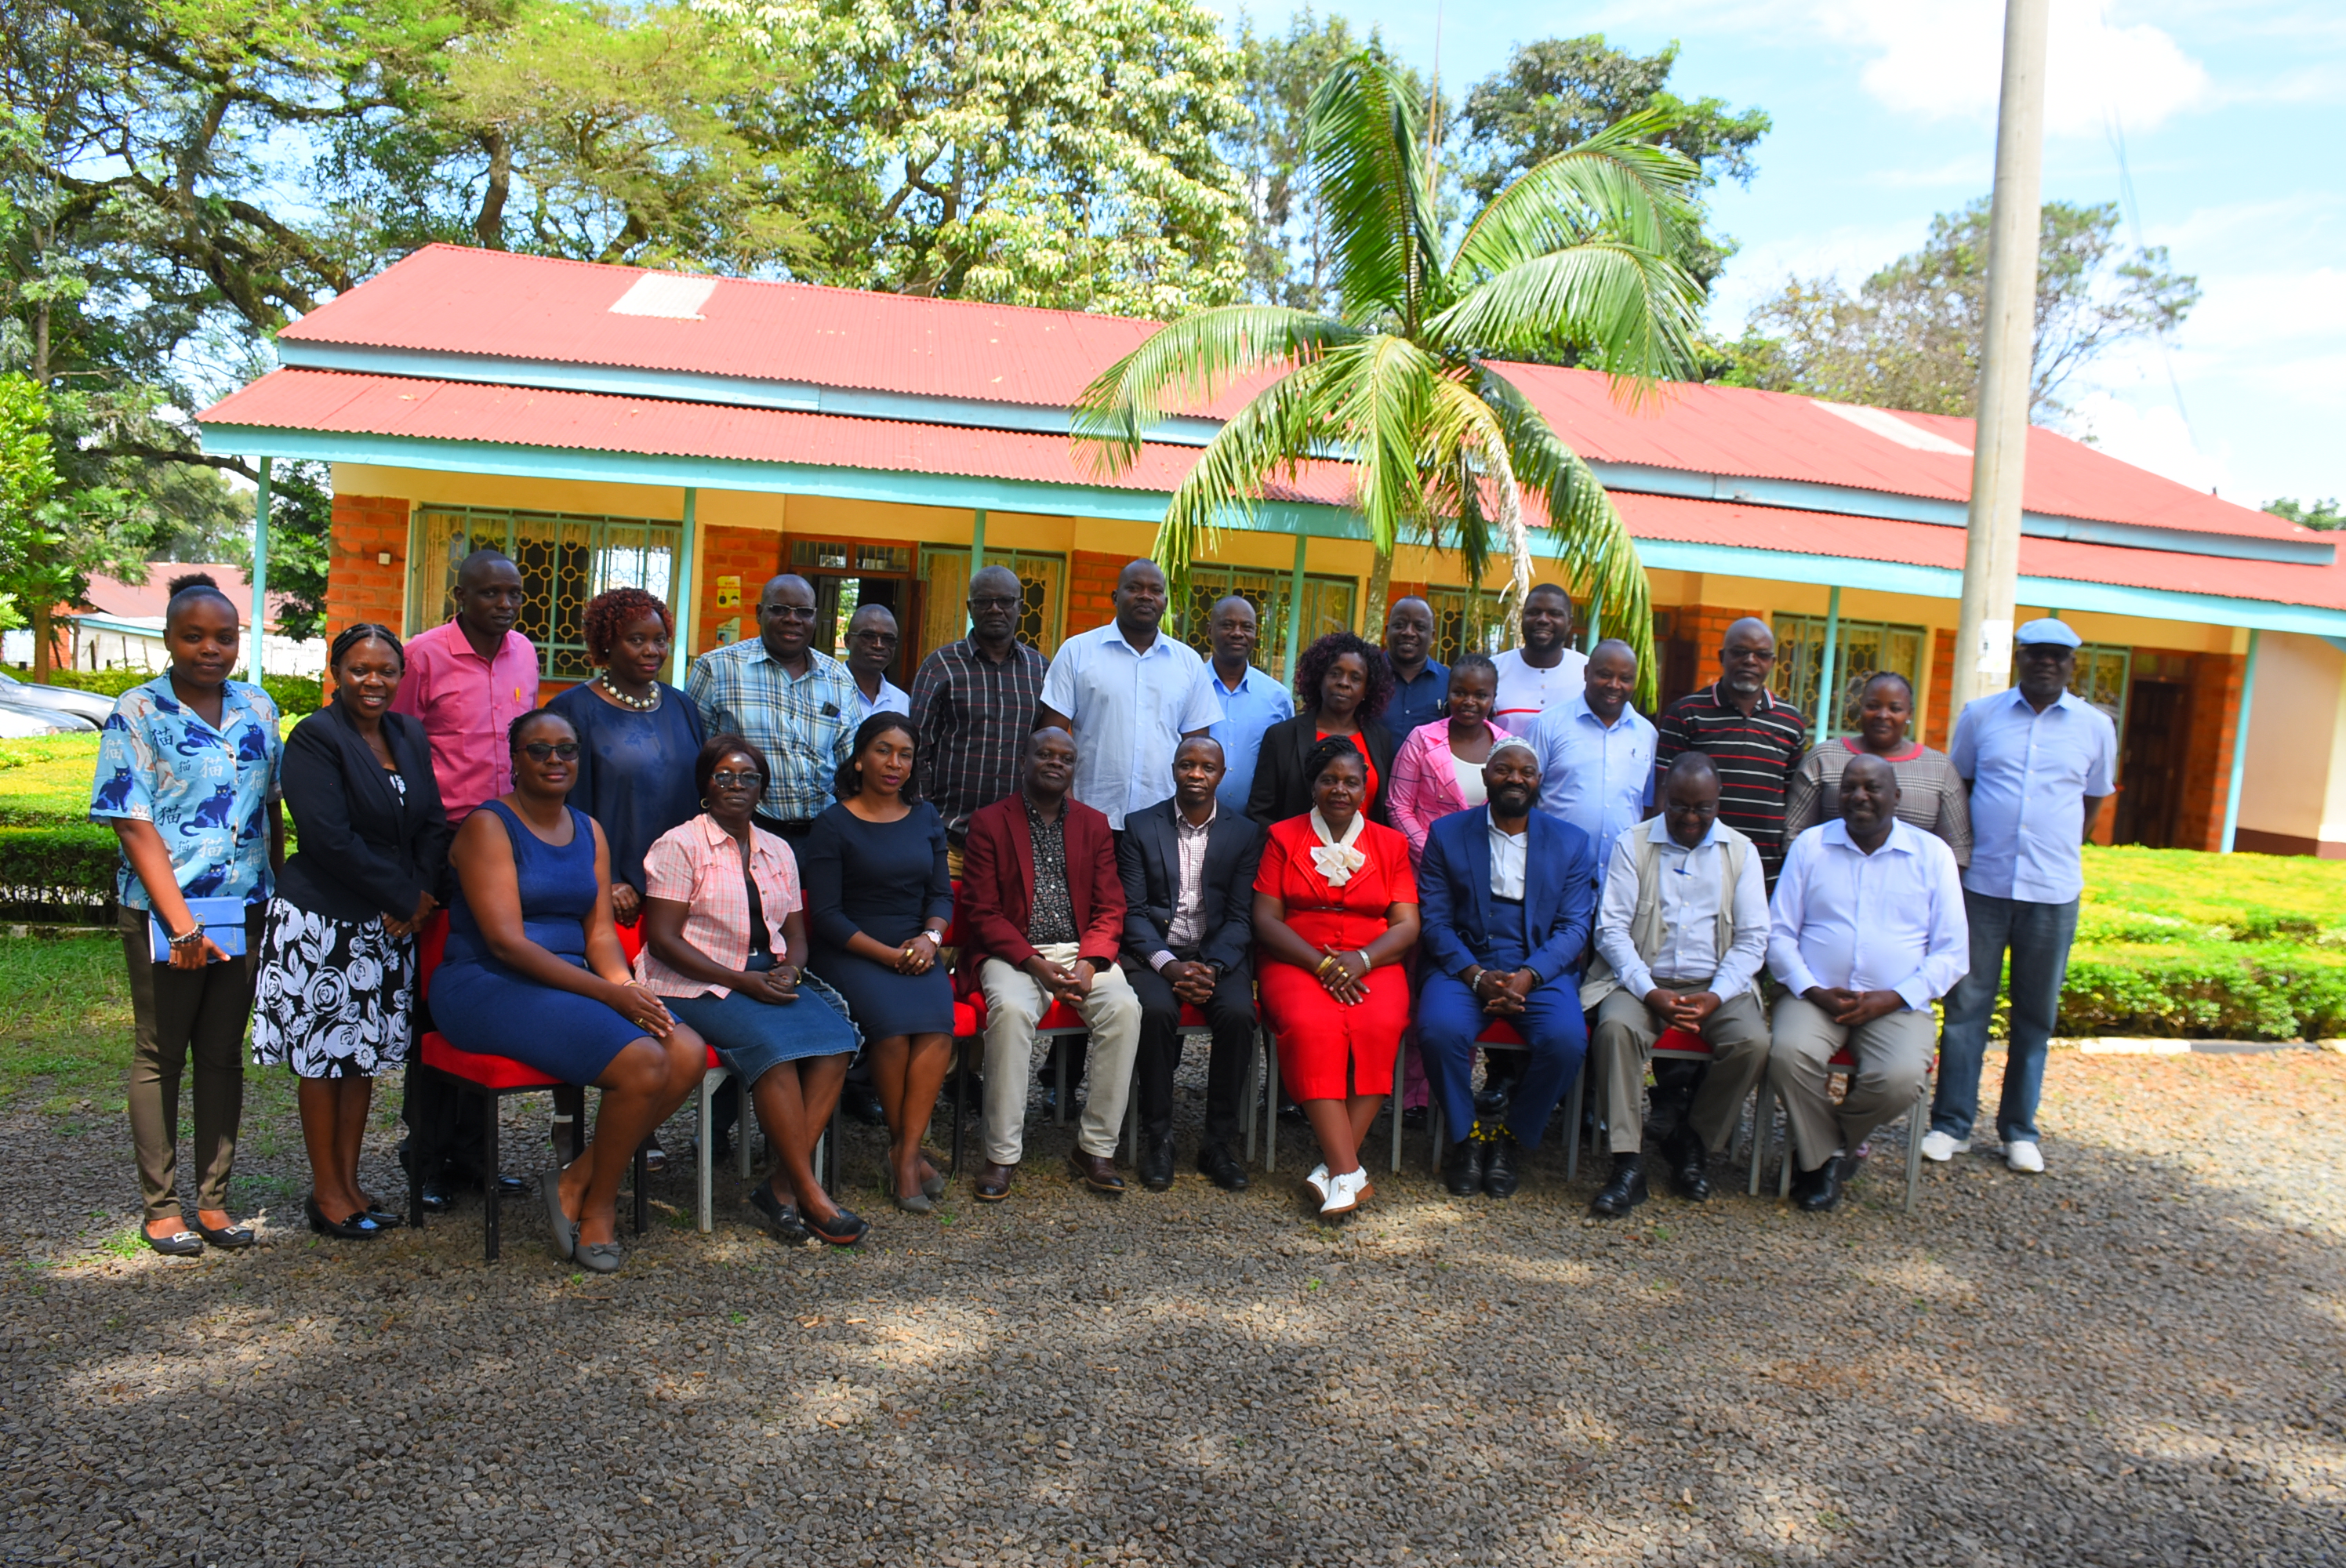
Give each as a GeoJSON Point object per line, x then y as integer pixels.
{"type": "Point", "coordinates": [1438, 767]}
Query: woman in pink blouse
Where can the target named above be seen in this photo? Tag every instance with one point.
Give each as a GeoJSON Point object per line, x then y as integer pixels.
{"type": "Point", "coordinates": [725, 946]}
{"type": "Point", "coordinates": [1438, 767]}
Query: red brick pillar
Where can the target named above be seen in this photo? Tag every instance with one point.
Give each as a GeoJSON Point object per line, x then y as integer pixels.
{"type": "Point", "coordinates": [366, 567]}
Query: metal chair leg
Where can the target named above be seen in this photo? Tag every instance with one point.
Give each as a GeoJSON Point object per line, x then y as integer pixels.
{"type": "Point", "coordinates": [1132, 1113]}
{"type": "Point", "coordinates": [1271, 1106]}
{"type": "Point", "coordinates": [1916, 1120]}
{"type": "Point", "coordinates": [1572, 1124]}
{"type": "Point", "coordinates": [1253, 1077]}
{"type": "Point", "coordinates": [1758, 1103]}
{"type": "Point", "coordinates": [1437, 1133]}
{"type": "Point", "coordinates": [643, 1190]}
{"type": "Point", "coordinates": [705, 1157]}
{"type": "Point", "coordinates": [1401, 1057]}
{"type": "Point", "coordinates": [1792, 1152]}
{"type": "Point", "coordinates": [489, 1166]}
{"type": "Point", "coordinates": [836, 1150]}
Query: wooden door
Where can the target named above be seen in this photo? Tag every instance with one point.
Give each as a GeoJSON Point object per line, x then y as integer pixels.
{"type": "Point", "coordinates": [2150, 763]}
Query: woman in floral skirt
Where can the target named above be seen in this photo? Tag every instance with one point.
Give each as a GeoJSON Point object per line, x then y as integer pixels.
{"type": "Point", "coordinates": [338, 974]}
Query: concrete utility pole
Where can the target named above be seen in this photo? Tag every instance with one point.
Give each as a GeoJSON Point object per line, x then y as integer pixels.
{"type": "Point", "coordinates": [2007, 364]}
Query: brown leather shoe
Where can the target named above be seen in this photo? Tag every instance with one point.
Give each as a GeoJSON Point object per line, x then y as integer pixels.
{"type": "Point", "coordinates": [993, 1183]}
{"type": "Point", "coordinates": [1096, 1171]}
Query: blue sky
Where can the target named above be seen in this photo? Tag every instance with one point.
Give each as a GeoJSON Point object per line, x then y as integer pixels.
{"type": "Point", "coordinates": [1885, 114]}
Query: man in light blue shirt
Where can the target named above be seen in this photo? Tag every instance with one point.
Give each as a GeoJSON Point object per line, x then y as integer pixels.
{"type": "Point", "coordinates": [2040, 761]}
{"type": "Point", "coordinates": [1866, 930]}
{"type": "Point", "coordinates": [1251, 701]}
{"type": "Point", "coordinates": [1130, 695]}
{"type": "Point", "coordinates": [1597, 752]}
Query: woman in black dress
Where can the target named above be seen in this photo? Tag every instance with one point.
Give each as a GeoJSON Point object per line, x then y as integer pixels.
{"type": "Point", "coordinates": [1342, 683]}
{"type": "Point", "coordinates": [879, 902]}
{"type": "Point", "coordinates": [338, 957]}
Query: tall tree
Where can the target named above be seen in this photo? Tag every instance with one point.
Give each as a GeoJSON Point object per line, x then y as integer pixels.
{"type": "Point", "coordinates": [1556, 93]}
{"type": "Point", "coordinates": [54, 539]}
{"type": "Point", "coordinates": [1578, 255]}
{"type": "Point", "coordinates": [2320, 515]}
{"type": "Point", "coordinates": [1037, 152]}
{"type": "Point", "coordinates": [1908, 336]}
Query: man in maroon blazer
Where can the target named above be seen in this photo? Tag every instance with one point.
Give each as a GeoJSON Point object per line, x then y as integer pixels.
{"type": "Point", "coordinates": [1043, 919]}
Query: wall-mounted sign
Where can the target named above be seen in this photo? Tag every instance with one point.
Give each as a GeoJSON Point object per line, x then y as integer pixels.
{"type": "Point", "coordinates": [729, 592]}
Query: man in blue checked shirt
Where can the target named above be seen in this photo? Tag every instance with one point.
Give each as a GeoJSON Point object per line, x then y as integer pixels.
{"type": "Point", "coordinates": [797, 702]}
{"type": "Point", "coordinates": [2040, 760]}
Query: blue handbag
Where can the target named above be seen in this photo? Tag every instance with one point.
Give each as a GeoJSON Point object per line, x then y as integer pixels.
{"type": "Point", "coordinates": [223, 922]}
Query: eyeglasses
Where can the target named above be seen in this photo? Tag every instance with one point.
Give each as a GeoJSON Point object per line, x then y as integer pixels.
{"type": "Point", "coordinates": [539, 750]}
{"type": "Point", "coordinates": [788, 612]}
{"type": "Point", "coordinates": [884, 639]}
{"type": "Point", "coordinates": [726, 778]}
{"type": "Point", "coordinates": [994, 603]}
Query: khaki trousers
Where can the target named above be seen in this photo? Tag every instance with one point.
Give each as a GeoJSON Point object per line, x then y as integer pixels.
{"type": "Point", "coordinates": [176, 1014]}
{"type": "Point", "coordinates": [1893, 1057]}
{"type": "Point", "coordinates": [1623, 1046]}
{"type": "Point", "coordinates": [1015, 1001]}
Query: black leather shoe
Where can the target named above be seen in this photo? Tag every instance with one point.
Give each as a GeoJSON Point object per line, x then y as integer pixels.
{"type": "Point", "coordinates": [178, 1244]}
{"type": "Point", "coordinates": [1817, 1190]}
{"type": "Point", "coordinates": [1157, 1164]}
{"type": "Point", "coordinates": [1291, 1111]}
{"type": "Point", "coordinates": [389, 1218]}
{"type": "Point", "coordinates": [233, 1238]}
{"type": "Point", "coordinates": [860, 1103]}
{"type": "Point", "coordinates": [1491, 1099]}
{"type": "Point", "coordinates": [439, 1197]}
{"type": "Point", "coordinates": [1499, 1178]}
{"type": "Point", "coordinates": [783, 1219]}
{"type": "Point", "coordinates": [1689, 1165]}
{"type": "Point", "coordinates": [1625, 1192]}
{"type": "Point", "coordinates": [1462, 1167]}
{"type": "Point", "coordinates": [1413, 1118]}
{"type": "Point", "coordinates": [357, 1228]}
{"type": "Point", "coordinates": [1221, 1168]}
{"type": "Point", "coordinates": [510, 1186]}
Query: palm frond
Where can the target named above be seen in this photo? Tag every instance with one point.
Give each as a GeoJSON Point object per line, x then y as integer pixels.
{"type": "Point", "coordinates": [1637, 307]}
{"type": "Point", "coordinates": [1598, 558]}
{"type": "Point", "coordinates": [1617, 182]}
{"type": "Point", "coordinates": [1376, 398]}
{"type": "Point", "coordinates": [1367, 157]}
{"type": "Point", "coordinates": [1186, 364]}
{"type": "Point", "coordinates": [1272, 435]}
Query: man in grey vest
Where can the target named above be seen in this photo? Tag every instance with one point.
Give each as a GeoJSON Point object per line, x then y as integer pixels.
{"type": "Point", "coordinates": [1681, 928]}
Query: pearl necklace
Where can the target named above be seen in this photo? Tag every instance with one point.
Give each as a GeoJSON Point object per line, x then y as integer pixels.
{"type": "Point", "coordinates": [641, 705]}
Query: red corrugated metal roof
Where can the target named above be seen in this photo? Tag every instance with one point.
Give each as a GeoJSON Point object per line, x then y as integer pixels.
{"type": "Point", "coordinates": [1739, 524]}
{"type": "Point", "coordinates": [451, 300]}
{"type": "Point", "coordinates": [351, 403]}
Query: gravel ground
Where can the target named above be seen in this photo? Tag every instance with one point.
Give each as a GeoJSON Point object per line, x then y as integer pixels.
{"type": "Point", "coordinates": [2133, 1359]}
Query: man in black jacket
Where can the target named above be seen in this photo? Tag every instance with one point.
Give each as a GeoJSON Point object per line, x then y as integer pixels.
{"type": "Point", "coordinates": [1188, 890]}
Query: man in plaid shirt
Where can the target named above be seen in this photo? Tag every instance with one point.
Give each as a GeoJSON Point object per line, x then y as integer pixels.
{"type": "Point", "coordinates": [797, 702]}
{"type": "Point", "coordinates": [974, 702]}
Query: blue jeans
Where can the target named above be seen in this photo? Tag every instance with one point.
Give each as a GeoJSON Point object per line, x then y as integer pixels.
{"type": "Point", "coordinates": [1448, 1019]}
{"type": "Point", "coordinates": [2038, 937]}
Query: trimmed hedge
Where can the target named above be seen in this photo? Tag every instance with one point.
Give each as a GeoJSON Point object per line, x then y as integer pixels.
{"type": "Point", "coordinates": [58, 871]}
{"type": "Point", "coordinates": [294, 694]}
{"type": "Point", "coordinates": [2208, 990]}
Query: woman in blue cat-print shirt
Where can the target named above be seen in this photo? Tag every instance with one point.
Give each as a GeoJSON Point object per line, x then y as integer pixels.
{"type": "Point", "coordinates": [188, 780]}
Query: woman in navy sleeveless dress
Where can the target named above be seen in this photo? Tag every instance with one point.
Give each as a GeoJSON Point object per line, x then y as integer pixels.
{"type": "Point", "coordinates": [534, 971]}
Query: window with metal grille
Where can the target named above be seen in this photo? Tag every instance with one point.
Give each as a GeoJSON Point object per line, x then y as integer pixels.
{"type": "Point", "coordinates": [1464, 619]}
{"type": "Point", "coordinates": [944, 576]}
{"type": "Point", "coordinates": [1328, 606]}
{"type": "Point", "coordinates": [1863, 649]}
{"type": "Point", "coordinates": [565, 561]}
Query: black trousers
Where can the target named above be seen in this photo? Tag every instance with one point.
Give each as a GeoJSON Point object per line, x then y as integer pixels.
{"type": "Point", "coordinates": [1230, 1012]}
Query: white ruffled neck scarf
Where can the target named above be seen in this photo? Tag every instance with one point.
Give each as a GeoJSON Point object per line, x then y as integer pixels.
{"type": "Point", "coordinates": [1333, 857]}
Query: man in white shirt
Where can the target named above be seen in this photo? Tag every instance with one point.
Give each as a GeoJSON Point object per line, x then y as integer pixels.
{"type": "Point", "coordinates": [872, 641]}
{"type": "Point", "coordinates": [1129, 694]}
{"type": "Point", "coordinates": [1546, 670]}
{"type": "Point", "coordinates": [1868, 929]}
{"type": "Point", "coordinates": [2040, 761]}
{"type": "Point", "coordinates": [1597, 752]}
{"type": "Point", "coordinates": [1681, 928]}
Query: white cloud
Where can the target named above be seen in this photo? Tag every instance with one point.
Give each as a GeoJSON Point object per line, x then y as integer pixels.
{"type": "Point", "coordinates": [1942, 58]}
{"type": "Point", "coordinates": [2151, 436]}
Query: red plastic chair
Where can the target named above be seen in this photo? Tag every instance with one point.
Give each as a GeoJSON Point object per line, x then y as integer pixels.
{"type": "Point", "coordinates": [493, 1079]}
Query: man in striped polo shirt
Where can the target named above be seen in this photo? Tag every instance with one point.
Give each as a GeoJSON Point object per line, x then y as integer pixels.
{"type": "Point", "coordinates": [1752, 740]}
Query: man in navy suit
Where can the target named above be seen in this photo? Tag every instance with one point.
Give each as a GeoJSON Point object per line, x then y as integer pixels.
{"type": "Point", "coordinates": [1506, 894]}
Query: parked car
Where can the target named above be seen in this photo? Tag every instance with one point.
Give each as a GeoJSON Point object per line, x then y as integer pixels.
{"type": "Point", "coordinates": [15, 693]}
{"type": "Point", "coordinates": [24, 723]}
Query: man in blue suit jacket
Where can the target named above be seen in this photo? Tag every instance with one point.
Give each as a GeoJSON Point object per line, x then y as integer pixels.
{"type": "Point", "coordinates": [1506, 895]}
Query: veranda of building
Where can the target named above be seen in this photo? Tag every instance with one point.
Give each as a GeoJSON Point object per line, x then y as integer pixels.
{"type": "Point", "coordinates": [695, 436]}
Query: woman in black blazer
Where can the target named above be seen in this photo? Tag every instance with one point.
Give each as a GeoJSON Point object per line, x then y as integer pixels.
{"type": "Point", "coordinates": [338, 974]}
{"type": "Point", "coordinates": [1342, 683]}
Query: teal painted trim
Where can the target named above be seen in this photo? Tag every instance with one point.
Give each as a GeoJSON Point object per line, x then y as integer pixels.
{"type": "Point", "coordinates": [687, 600]}
{"type": "Point", "coordinates": [954, 492]}
{"type": "Point", "coordinates": [732, 392]}
{"type": "Point", "coordinates": [2240, 744]}
{"type": "Point", "coordinates": [1946, 582]}
{"type": "Point", "coordinates": [1295, 610]}
{"type": "Point", "coordinates": [1827, 700]}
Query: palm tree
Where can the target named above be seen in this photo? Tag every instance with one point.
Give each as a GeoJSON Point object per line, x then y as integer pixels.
{"type": "Point", "coordinates": [1572, 259]}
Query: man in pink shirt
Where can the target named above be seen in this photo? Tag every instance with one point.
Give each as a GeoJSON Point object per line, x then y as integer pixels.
{"type": "Point", "coordinates": [465, 682]}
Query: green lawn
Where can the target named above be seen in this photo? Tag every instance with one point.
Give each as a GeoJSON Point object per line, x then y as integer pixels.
{"type": "Point", "coordinates": [46, 781]}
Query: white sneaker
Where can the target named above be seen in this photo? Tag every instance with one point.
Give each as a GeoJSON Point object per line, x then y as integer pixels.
{"type": "Point", "coordinates": [1939, 1148]}
{"type": "Point", "coordinates": [1318, 1181]}
{"type": "Point", "coordinates": [2023, 1154]}
{"type": "Point", "coordinates": [1345, 1192]}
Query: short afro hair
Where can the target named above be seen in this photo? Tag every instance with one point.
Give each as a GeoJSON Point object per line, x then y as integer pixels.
{"type": "Point", "coordinates": [1311, 670]}
{"type": "Point", "coordinates": [608, 612]}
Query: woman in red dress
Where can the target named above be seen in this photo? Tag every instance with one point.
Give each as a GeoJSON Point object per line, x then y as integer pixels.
{"type": "Point", "coordinates": [1335, 913]}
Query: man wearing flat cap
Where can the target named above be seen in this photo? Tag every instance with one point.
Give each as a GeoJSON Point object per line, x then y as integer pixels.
{"type": "Point", "coordinates": [2039, 760]}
